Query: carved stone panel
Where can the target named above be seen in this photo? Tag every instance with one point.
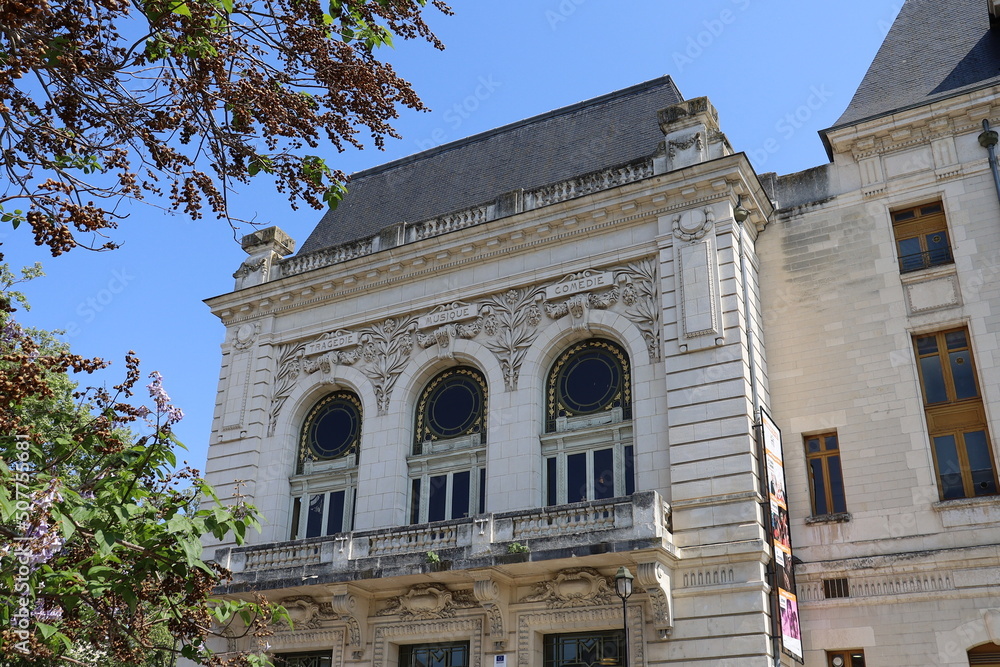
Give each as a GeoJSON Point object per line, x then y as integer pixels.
{"type": "Point", "coordinates": [699, 289]}
{"type": "Point", "coordinates": [577, 587]}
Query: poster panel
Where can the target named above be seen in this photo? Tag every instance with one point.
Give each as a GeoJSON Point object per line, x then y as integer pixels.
{"type": "Point", "coordinates": [781, 541]}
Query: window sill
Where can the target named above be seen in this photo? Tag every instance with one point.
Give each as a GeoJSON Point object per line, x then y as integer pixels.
{"type": "Point", "coordinates": [968, 511]}
{"type": "Point", "coordinates": [839, 517]}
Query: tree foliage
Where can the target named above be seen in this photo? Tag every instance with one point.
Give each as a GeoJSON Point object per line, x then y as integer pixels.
{"type": "Point", "coordinates": [103, 101]}
{"type": "Point", "coordinates": [100, 552]}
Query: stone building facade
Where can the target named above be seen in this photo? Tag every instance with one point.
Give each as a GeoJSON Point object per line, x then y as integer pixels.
{"type": "Point", "coordinates": [508, 366]}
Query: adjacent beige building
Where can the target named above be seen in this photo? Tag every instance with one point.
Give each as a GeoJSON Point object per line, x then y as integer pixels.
{"type": "Point", "coordinates": [507, 367]}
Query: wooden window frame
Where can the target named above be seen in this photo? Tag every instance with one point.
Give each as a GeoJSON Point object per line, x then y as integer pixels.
{"type": "Point", "coordinates": [847, 655]}
{"type": "Point", "coordinates": [824, 456]}
{"type": "Point", "coordinates": [954, 416]}
{"type": "Point", "coordinates": [919, 222]}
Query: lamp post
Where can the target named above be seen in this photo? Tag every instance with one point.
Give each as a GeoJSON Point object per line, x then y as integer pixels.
{"type": "Point", "coordinates": [623, 587]}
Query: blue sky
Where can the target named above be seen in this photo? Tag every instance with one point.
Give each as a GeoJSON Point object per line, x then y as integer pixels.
{"type": "Point", "coordinates": [777, 71]}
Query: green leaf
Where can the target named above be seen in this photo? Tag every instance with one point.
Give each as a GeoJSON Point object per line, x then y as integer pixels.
{"type": "Point", "coordinates": [46, 629]}
{"type": "Point", "coordinates": [228, 6]}
{"type": "Point", "coordinates": [181, 8]}
{"type": "Point", "coordinates": [106, 541]}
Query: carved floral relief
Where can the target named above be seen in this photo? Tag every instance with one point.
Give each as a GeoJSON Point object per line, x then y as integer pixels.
{"type": "Point", "coordinates": [507, 324]}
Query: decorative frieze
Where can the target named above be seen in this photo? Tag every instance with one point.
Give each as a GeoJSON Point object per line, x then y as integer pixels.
{"type": "Point", "coordinates": [506, 324]}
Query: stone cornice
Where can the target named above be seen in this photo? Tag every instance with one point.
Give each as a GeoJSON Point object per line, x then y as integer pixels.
{"type": "Point", "coordinates": [645, 200]}
{"type": "Point", "coordinates": [914, 127]}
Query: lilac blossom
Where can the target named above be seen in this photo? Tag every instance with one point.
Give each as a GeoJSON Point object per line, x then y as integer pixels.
{"type": "Point", "coordinates": [159, 395]}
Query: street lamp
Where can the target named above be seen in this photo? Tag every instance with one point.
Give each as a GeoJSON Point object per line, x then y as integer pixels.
{"type": "Point", "coordinates": [623, 587]}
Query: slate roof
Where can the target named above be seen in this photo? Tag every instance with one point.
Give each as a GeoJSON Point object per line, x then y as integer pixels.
{"type": "Point", "coordinates": [934, 50]}
{"type": "Point", "coordinates": [603, 132]}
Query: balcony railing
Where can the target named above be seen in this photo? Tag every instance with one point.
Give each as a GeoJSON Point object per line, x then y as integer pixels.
{"type": "Point", "coordinates": [638, 520]}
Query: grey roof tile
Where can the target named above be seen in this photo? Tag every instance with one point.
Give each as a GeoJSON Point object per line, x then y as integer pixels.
{"type": "Point", "coordinates": [603, 132]}
{"type": "Point", "coordinates": [934, 50]}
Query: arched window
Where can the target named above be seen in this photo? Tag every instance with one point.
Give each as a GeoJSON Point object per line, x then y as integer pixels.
{"type": "Point", "coordinates": [324, 488]}
{"type": "Point", "coordinates": [448, 461]}
{"type": "Point", "coordinates": [587, 447]}
{"type": "Point", "coordinates": [592, 378]}
{"type": "Point", "coordinates": [452, 405]}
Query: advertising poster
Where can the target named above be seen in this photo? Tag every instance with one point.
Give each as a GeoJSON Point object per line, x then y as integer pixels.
{"type": "Point", "coordinates": [781, 541]}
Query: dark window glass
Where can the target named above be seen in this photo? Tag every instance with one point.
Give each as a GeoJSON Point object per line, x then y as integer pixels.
{"type": "Point", "coordinates": [836, 484]}
{"type": "Point", "coordinates": [604, 474]}
{"type": "Point", "coordinates": [949, 470]}
{"type": "Point", "coordinates": [296, 514]}
{"type": "Point", "coordinates": [980, 463]}
{"type": "Point", "coordinates": [354, 505]}
{"type": "Point", "coordinates": [452, 654]}
{"type": "Point", "coordinates": [910, 255]}
{"type": "Point", "coordinates": [576, 477]}
{"type": "Point", "coordinates": [335, 522]}
{"type": "Point", "coordinates": [965, 377]}
{"type": "Point", "coordinates": [820, 506]}
{"type": "Point", "coordinates": [589, 378]}
{"type": "Point", "coordinates": [584, 649]}
{"type": "Point", "coordinates": [826, 479]}
{"type": "Point", "coordinates": [629, 471]}
{"type": "Point", "coordinates": [315, 659]}
{"type": "Point", "coordinates": [415, 502]}
{"type": "Point", "coordinates": [921, 238]}
{"type": "Point", "coordinates": [332, 429]}
{"type": "Point", "coordinates": [938, 250]}
{"type": "Point", "coordinates": [956, 417]}
{"type": "Point", "coordinates": [590, 382]}
{"type": "Point", "coordinates": [314, 525]}
{"type": "Point", "coordinates": [460, 489]}
{"type": "Point", "coordinates": [482, 490]}
{"type": "Point", "coordinates": [933, 376]}
{"type": "Point", "coordinates": [438, 490]}
{"type": "Point", "coordinates": [452, 405]}
{"type": "Point", "coordinates": [552, 497]}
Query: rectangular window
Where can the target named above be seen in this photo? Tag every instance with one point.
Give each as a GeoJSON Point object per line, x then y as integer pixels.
{"type": "Point", "coordinates": [851, 658]}
{"type": "Point", "coordinates": [956, 418]}
{"type": "Point", "coordinates": [836, 588]}
{"type": "Point", "coordinates": [453, 495]}
{"type": "Point", "coordinates": [921, 237]}
{"type": "Point", "coordinates": [451, 654]}
{"type": "Point", "coordinates": [592, 474]}
{"type": "Point", "coordinates": [584, 649]}
{"type": "Point", "coordinates": [325, 513]}
{"type": "Point", "coordinates": [826, 481]}
{"type": "Point", "coordinates": [311, 659]}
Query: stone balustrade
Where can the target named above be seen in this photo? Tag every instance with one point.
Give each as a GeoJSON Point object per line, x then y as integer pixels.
{"type": "Point", "coordinates": [546, 532]}
{"type": "Point", "coordinates": [505, 205]}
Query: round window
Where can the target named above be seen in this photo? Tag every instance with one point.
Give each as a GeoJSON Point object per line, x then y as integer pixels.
{"type": "Point", "coordinates": [452, 405]}
{"type": "Point", "coordinates": [590, 377]}
{"type": "Point", "coordinates": [333, 428]}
